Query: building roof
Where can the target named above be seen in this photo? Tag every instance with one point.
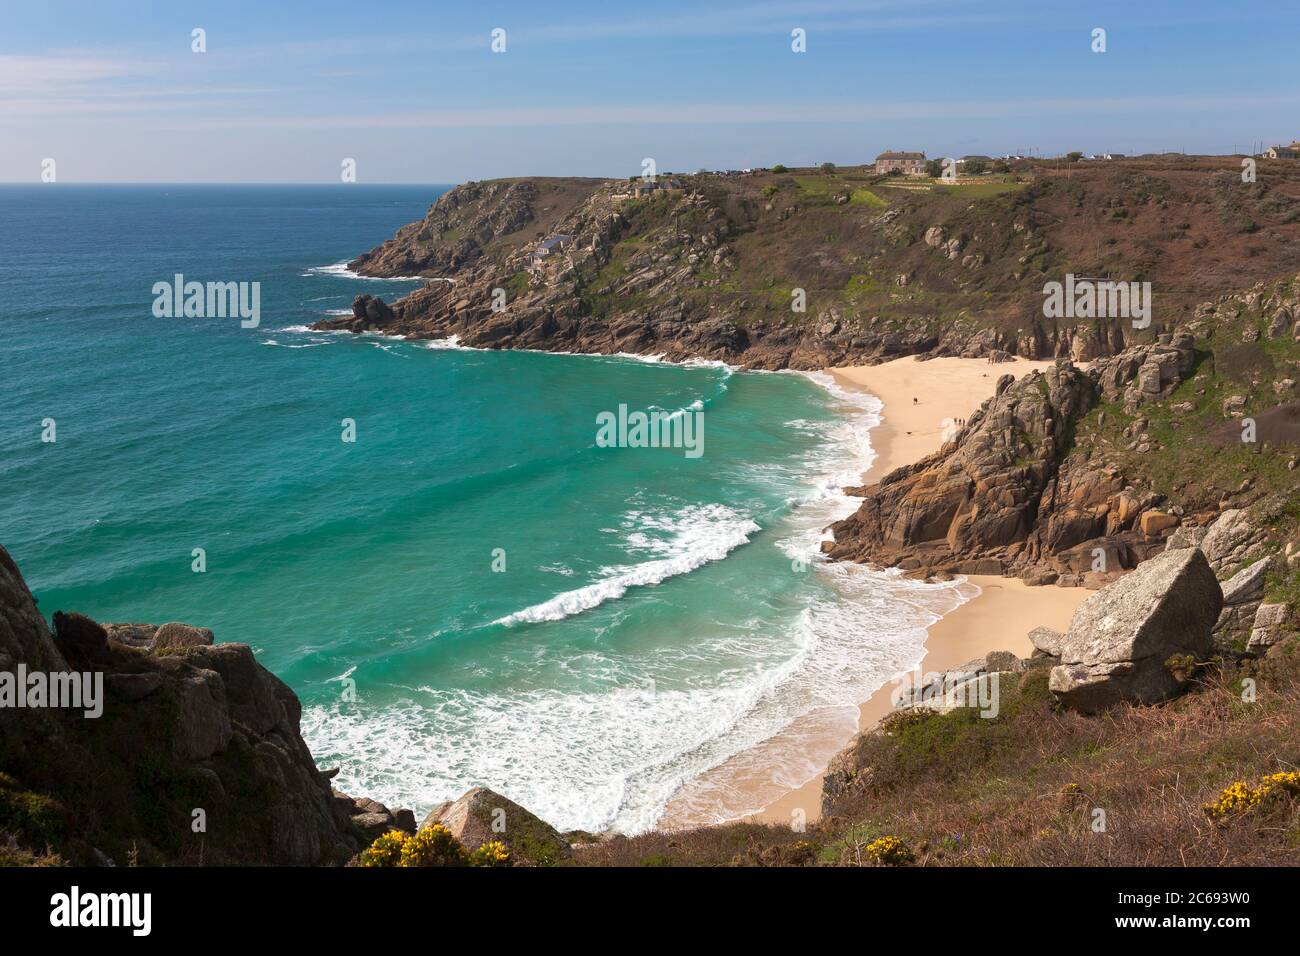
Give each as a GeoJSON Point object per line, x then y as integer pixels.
{"type": "Point", "coordinates": [892, 154]}
{"type": "Point", "coordinates": [554, 241]}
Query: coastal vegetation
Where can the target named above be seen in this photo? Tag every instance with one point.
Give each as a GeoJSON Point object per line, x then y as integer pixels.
{"type": "Point", "coordinates": [1171, 450]}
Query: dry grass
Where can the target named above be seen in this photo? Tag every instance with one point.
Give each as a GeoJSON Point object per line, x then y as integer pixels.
{"type": "Point", "coordinates": [1026, 788]}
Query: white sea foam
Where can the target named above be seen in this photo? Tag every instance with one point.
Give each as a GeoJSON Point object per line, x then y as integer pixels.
{"type": "Point", "coordinates": [612, 756]}
{"type": "Point", "coordinates": [341, 270]}
{"type": "Point", "coordinates": [644, 731]}
{"type": "Point", "coordinates": [698, 535]}
{"type": "Point", "coordinates": [850, 644]}
{"type": "Point", "coordinates": [304, 345]}
{"type": "Point", "coordinates": [450, 342]}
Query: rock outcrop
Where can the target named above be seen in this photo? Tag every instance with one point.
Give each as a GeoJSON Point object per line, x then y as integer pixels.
{"type": "Point", "coordinates": [1122, 637]}
{"type": "Point", "coordinates": [972, 684]}
{"type": "Point", "coordinates": [972, 506]}
{"type": "Point", "coordinates": [1233, 539]}
{"type": "Point", "coordinates": [1242, 594]}
{"type": "Point", "coordinates": [196, 758]}
{"type": "Point", "coordinates": [1003, 497]}
{"type": "Point", "coordinates": [1267, 627]}
{"type": "Point", "coordinates": [455, 230]}
{"type": "Point", "coordinates": [481, 815]}
{"type": "Point", "coordinates": [646, 270]}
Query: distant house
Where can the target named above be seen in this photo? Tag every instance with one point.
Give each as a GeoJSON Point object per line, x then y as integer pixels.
{"type": "Point", "coordinates": [549, 246]}
{"type": "Point", "coordinates": [909, 164]}
{"type": "Point", "coordinates": [553, 244]}
{"type": "Point", "coordinates": [1283, 152]}
{"type": "Point", "coordinates": [644, 188]}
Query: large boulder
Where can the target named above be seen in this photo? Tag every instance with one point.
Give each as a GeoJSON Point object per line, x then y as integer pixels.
{"type": "Point", "coordinates": [482, 815]}
{"type": "Point", "coordinates": [24, 639]}
{"type": "Point", "coordinates": [1267, 628]}
{"type": "Point", "coordinates": [174, 635]}
{"type": "Point", "coordinates": [1232, 539]}
{"type": "Point", "coordinates": [186, 725]}
{"type": "Point", "coordinates": [1121, 637]}
{"type": "Point", "coordinates": [1241, 596]}
{"type": "Point", "coordinates": [1046, 641]}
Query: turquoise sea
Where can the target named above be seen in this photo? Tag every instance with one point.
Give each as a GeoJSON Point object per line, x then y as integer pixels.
{"type": "Point", "coordinates": [472, 591]}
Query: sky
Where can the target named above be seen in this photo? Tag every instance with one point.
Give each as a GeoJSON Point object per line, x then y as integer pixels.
{"type": "Point", "coordinates": [412, 92]}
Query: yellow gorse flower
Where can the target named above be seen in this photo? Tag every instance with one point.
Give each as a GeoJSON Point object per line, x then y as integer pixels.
{"type": "Point", "coordinates": [491, 853]}
{"type": "Point", "coordinates": [1239, 796]}
{"type": "Point", "coordinates": [433, 845]}
{"type": "Point", "coordinates": [889, 851]}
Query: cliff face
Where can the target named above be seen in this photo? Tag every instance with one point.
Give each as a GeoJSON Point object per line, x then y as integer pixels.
{"type": "Point", "coordinates": [716, 266]}
{"type": "Point", "coordinates": [197, 756]}
{"type": "Point", "coordinates": [455, 231]}
{"type": "Point", "coordinates": [1005, 497]}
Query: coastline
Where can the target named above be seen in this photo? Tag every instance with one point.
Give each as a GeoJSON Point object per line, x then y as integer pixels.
{"type": "Point", "coordinates": [997, 613]}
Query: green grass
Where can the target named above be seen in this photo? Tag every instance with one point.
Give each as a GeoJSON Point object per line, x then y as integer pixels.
{"type": "Point", "coordinates": [865, 197]}
{"type": "Point", "coordinates": [814, 185]}
{"type": "Point", "coordinates": [861, 285]}
{"type": "Point", "coordinates": [983, 190]}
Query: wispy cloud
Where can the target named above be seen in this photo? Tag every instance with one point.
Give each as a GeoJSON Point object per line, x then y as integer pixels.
{"type": "Point", "coordinates": [46, 75]}
{"type": "Point", "coordinates": [691, 113]}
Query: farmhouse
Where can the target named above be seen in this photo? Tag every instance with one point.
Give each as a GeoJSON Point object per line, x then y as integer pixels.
{"type": "Point", "coordinates": [1283, 152]}
{"type": "Point", "coordinates": [909, 164]}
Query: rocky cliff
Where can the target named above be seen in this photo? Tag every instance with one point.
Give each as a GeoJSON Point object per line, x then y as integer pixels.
{"type": "Point", "coordinates": [1006, 496]}
{"type": "Point", "coordinates": [196, 758]}
{"type": "Point", "coordinates": [808, 268]}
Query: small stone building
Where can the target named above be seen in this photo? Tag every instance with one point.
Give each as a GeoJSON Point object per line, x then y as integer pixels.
{"type": "Point", "coordinates": [1283, 152]}
{"type": "Point", "coordinates": [909, 164]}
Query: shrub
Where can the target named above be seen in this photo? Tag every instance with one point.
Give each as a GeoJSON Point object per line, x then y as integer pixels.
{"type": "Point", "coordinates": [1181, 666]}
{"type": "Point", "coordinates": [1239, 796]}
{"type": "Point", "coordinates": [34, 817]}
{"type": "Point", "coordinates": [433, 846]}
{"type": "Point", "coordinates": [385, 851]}
{"type": "Point", "coordinates": [779, 168]}
{"type": "Point", "coordinates": [491, 853]}
{"type": "Point", "coordinates": [889, 851]}
{"type": "Point", "coordinates": [430, 846]}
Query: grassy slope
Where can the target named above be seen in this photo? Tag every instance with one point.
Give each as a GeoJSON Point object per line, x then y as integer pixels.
{"type": "Point", "coordinates": [1197, 458]}
{"type": "Point", "coordinates": [846, 235]}
{"type": "Point", "coordinates": [1024, 788]}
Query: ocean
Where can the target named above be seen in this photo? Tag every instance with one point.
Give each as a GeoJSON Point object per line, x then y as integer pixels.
{"type": "Point", "coordinates": [472, 591]}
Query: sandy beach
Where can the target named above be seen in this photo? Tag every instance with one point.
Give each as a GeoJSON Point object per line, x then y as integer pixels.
{"type": "Point", "coordinates": [920, 400]}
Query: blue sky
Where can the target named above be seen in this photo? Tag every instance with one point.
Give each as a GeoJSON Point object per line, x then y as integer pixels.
{"type": "Point", "coordinates": [413, 92]}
